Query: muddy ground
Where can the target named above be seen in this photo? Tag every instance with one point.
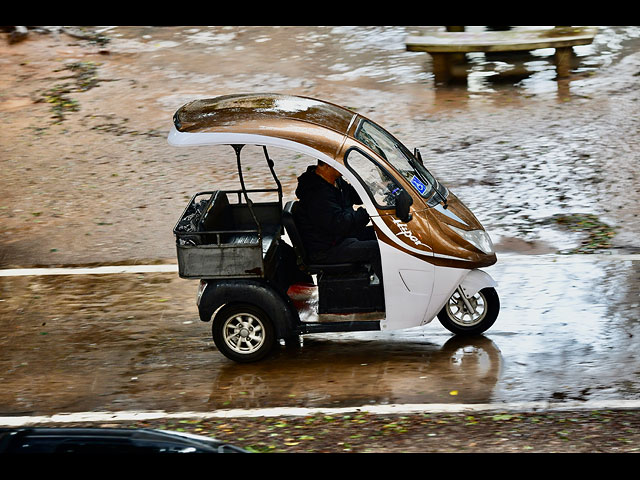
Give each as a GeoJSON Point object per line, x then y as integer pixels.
{"type": "Point", "coordinates": [88, 178]}
{"type": "Point", "coordinates": [361, 432]}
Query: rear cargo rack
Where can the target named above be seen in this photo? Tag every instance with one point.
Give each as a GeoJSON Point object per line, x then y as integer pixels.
{"type": "Point", "coordinates": [218, 239]}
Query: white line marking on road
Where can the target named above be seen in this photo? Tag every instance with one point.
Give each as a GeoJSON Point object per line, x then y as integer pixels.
{"type": "Point", "coordinates": [124, 416]}
{"type": "Point", "coordinates": [172, 268]}
{"type": "Point", "coordinates": [110, 269]}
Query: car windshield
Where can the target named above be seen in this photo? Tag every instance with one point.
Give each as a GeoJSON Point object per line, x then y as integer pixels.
{"type": "Point", "coordinates": [394, 152]}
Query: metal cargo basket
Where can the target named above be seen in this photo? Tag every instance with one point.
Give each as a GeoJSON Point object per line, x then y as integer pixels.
{"type": "Point", "coordinates": [218, 239]}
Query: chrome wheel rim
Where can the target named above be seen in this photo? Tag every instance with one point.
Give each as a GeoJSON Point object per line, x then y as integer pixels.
{"type": "Point", "coordinates": [243, 333]}
{"type": "Point", "coordinates": [459, 313]}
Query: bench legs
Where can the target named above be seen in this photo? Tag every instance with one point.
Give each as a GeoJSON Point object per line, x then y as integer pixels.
{"type": "Point", "coordinates": [441, 67]}
{"type": "Point", "coordinates": [443, 63]}
{"type": "Point", "coordinates": [563, 61]}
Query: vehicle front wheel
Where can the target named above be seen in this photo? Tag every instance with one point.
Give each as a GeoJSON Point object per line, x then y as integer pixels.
{"type": "Point", "coordinates": [243, 333]}
{"type": "Point", "coordinates": [472, 317]}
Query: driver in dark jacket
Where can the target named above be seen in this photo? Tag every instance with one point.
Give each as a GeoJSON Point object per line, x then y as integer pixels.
{"type": "Point", "coordinates": [331, 230]}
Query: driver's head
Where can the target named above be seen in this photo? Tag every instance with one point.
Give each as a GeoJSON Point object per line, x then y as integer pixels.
{"type": "Point", "coordinates": [326, 170]}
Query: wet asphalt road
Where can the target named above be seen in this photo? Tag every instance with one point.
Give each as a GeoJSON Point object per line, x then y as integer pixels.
{"type": "Point", "coordinates": [567, 331]}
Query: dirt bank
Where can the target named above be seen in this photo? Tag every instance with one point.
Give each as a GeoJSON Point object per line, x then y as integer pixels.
{"type": "Point", "coordinates": [608, 431]}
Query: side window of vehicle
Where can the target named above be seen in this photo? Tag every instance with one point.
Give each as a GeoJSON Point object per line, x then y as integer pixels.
{"type": "Point", "coordinates": [381, 186]}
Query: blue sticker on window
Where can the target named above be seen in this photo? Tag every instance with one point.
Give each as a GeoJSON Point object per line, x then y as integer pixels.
{"type": "Point", "coordinates": [421, 187]}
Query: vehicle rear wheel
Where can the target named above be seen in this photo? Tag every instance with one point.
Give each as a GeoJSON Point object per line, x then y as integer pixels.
{"type": "Point", "coordinates": [243, 333]}
{"type": "Point", "coordinates": [472, 317]}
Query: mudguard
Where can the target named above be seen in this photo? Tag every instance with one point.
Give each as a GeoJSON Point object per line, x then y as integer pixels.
{"type": "Point", "coordinates": [475, 281]}
{"type": "Point", "coordinates": [255, 292]}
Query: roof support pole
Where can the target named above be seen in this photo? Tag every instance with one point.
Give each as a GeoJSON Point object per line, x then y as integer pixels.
{"type": "Point", "coordinates": [273, 174]}
{"type": "Point", "coordinates": [238, 148]}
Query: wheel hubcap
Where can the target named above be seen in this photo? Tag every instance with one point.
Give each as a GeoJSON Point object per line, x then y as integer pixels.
{"type": "Point", "coordinates": [459, 312]}
{"type": "Point", "coordinates": [243, 333]}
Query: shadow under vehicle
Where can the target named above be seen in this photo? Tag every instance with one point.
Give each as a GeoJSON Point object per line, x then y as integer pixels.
{"type": "Point", "coordinates": [257, 288]}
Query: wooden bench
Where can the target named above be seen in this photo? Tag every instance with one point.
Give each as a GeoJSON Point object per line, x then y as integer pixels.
{"type": "Point", "coordinates": [445, 47]}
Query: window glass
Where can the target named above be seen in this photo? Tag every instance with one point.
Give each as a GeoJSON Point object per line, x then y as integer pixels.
{"type": "Point", "coordinates": [385, 145]}
{"type": "Point", "coordinates": [381, 186]}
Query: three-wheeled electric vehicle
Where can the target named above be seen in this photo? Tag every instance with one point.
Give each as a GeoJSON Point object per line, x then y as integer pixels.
{"type": "Point", "coordinates": [252, 279]}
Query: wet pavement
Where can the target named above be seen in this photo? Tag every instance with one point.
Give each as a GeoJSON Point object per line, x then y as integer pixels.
{"type": "Point", "coordinates": [567, 331]}
{"type": "Point", "coordinates": [102, 186]}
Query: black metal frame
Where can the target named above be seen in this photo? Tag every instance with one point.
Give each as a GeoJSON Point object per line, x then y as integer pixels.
{"type": "Point", "coordinates": [238, 149]}
{"type": "Point", "coordinates": [243, 192]}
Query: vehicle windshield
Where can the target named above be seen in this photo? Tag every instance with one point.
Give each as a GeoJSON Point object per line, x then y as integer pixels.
{"type": "Point", "coordinates": [394, 152]}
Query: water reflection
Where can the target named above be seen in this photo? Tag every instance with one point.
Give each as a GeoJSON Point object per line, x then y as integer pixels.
{"type": "Point", "coordinates": [334, 371]}
{"type": "Point", "coordinates": [568, 328]}
{"type": "Point", "coordinates": [348, 53]}
{"type": "Point", "coordinates": [572, 325]}
{"type": "Point", "coordinates": [534, 72]}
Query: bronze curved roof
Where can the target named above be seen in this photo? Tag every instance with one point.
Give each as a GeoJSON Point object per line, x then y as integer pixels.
{"type": "Point", "coordinates": [316, 123]}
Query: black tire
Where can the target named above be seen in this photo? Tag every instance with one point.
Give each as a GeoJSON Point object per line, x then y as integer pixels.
{"type": "Point", "coordinates": [243, 333]}
{"type": "Point", "coordinates": [455, 317]}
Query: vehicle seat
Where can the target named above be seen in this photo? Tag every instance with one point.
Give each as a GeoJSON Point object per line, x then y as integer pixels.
{"type": "Point", "coordinates": [217, 216]}
{"type": "Point", "coordinates": [288, 220]}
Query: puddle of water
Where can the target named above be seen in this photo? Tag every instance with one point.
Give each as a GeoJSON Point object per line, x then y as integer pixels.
{"type": "Point", "coordinates": [82, 343]}
{"type": "Point", "coordinates": [569, 327]}
{"type": "Point", "coordinates": [342, 53]}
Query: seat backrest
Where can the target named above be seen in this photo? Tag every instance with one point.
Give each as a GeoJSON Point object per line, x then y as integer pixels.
{"type": "Point", "coordinates": [288, 220]}
{"type": "Point", "coordinates": [217, 216]}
